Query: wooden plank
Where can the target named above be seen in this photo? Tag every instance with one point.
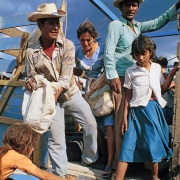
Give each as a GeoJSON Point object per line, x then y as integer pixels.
{"type": "Point", "coordinates": [6, 120]}
{"type": "Point", "coordinates": [37, 151]}
{"type": "Point", "coordinates": [13, 83]}
{"type": "Point", "coordinates": [11, 32]}
{"type": "Point", "coordinates": [175, 162]}
{"type": "Point", "coordinates": [12, 52]}
{"type": "Point", "coordinates": [20, 66]}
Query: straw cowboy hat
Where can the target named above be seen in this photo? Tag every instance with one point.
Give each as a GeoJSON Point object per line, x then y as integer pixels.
{"type": "Point", "coordinates": [116, 2]}
{"type": "Point", "coordinates": [46, 11]}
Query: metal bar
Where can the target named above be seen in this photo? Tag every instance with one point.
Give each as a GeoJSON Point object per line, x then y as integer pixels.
{"type": "Point", "coordinates": [104, 9]}
{"type": "Point", "coordinates": [162, 33]}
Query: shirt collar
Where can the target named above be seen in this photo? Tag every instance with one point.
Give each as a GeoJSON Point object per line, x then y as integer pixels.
{"type": "Point", "coordinates": [135, 66]}
{"type": "Point", "coordinates": [37, 45]}
{"type": "Point", "coordinates": [125, 22]}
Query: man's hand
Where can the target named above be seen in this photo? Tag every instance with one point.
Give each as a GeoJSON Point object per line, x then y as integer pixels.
{"type": "Point", "coordinates": [31, 84]}
{"type": "Point", "coordinates": [57, 94]}
{"type": "Point", "coordinates": [116, 85]}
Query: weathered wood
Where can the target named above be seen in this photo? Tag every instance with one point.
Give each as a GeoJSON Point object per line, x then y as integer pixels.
{"type": "Point", "coordinates": [175, 162]}
{"type": "Point", "coordinates": [12, 52]}
{"type": "Point", "coordinates": [11, 32]}
{"type": "Point", "coordinates": [6, 120]}
{"type": "Point", "coordinates": [38, 149]}
{"type": "Point", "coordinates": [12, 83]}
{"type": "Point", "coordinates": [178, 50]}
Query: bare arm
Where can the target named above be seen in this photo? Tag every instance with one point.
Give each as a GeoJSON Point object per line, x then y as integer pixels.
{"type": "Point", "coordinates": [169, 79]}
{"type": "Point", "coordinates": [128, 97]}
{"type": "Point", "coordinates": [44, 175]}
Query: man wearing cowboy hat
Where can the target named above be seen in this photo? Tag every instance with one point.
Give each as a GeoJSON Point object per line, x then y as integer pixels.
{"type": "Point", "coordinates": [117, 57]}
{"type": "Point", "coordinates": [53, 57]}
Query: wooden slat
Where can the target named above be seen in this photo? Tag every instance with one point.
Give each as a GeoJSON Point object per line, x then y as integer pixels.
{"type": "Point", "coordinates": [12, 83]}
{"type": "Point", "coordinates": [175, 162]}
{"type": "Point", "coordinates": [37, 151]}
{"type": "Point", "coordinates": [6, 120]}
{"type": "Point", "coordinates": [11, 32]}
{"type": "Point", "coordinates": [12, 52]}
{"type": "Point", "coordinates": [20, 66]}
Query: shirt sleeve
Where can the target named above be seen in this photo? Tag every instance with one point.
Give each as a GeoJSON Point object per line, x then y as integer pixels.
{"type": "Point", "coordinates": [30, 69]}
{"type": "Point", "coordinates": [76, 58]}
{"type": "Point", "coordinates": [112, 37]}
{"type": "Point", "coordinates": [25, 164]}
{"type": "Point", "coordinates": [152, 25]}
{"type": "Point", "coordinates": [162, 79]}
{"type": "Point", "coordinates": [127, 80]}
{"type": "Point", "coordinates": [68, 63]}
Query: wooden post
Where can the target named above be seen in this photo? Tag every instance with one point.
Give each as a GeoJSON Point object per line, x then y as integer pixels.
{"type": "Point", "coordinates": [175, 162]}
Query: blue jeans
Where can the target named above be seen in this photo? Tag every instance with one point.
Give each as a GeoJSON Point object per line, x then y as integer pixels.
{"type": "Point", "coordinates": [80, 110]}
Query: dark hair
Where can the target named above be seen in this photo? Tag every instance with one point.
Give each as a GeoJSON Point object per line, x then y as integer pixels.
{"type": "Point", "coordinates": [143, 43]}
{"type": "Point", "coordinates": [162, 61]}
{"type": "Point", "coordinates": [87, 26]}
{"type": "Point", "coordinates": [122, 2]}
{"type": "Point", "coordinates": [19, 137]}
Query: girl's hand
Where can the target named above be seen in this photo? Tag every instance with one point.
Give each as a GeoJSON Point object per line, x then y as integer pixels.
{"type": "Point", "coordinates": [71, 178]}
{"type": "Point", "coordinates": [124, 126]}
{"type": "Point", "coordinates": [174, 70]}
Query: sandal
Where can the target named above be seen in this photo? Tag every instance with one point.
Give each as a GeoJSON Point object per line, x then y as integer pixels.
{"type": "Point", "coordinates": [107, 172]}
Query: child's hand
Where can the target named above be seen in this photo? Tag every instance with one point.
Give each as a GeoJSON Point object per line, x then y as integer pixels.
{"type": "Point", "coordinates": [71, 177]}
{"type": "Point", "coordinates": [174, 70]}
{"type": "Point", "coordinates": [124, 126]}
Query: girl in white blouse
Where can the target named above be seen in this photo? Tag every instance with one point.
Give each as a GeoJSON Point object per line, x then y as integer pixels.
{"type": "Point", "coordinates": [144, 126]}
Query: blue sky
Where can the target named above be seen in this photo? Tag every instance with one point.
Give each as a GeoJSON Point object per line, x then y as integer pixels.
{"type": "Point", "coordinates": [80, 10]}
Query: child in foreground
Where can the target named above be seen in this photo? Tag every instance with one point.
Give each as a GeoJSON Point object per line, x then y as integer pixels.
{"type": "Point", "coordinates": [144, 126]}
{"type": "Point", "coordinates": [18, 146]}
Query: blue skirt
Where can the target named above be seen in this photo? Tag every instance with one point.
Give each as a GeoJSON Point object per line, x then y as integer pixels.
{"type": "Point", "coordinates": [147, 137]}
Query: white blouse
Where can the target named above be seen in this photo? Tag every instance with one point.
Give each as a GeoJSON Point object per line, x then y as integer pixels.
{"type": "Point", "coordinates": [143, 83]}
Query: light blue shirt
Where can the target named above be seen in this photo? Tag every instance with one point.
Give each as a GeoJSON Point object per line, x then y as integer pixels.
{"type": "Point", "coordinates": [93, 66]}
{"type": "Point", "coordinates": [119, 38]}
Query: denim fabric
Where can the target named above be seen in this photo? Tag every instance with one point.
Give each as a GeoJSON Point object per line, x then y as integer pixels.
{"type": "Point", "coordinates": [79, 109]}
{"type": "Point", "coordinates": [105, 120]}
{"type": "Point", "coordinates": [93, 66]}
{"type": "Point", "coordinates": [147, 136]}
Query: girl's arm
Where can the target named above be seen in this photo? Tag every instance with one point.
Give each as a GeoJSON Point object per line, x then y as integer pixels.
{"type": "Point", "coordinates": [128, 97]}
{"type": "Point", "coordinates": [44, 175]}
{"type": "Point", "coordinates": [167, 83]}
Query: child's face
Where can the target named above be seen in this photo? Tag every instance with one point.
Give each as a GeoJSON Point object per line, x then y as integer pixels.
{"type": "Point", "coordinates": [143, 59]}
